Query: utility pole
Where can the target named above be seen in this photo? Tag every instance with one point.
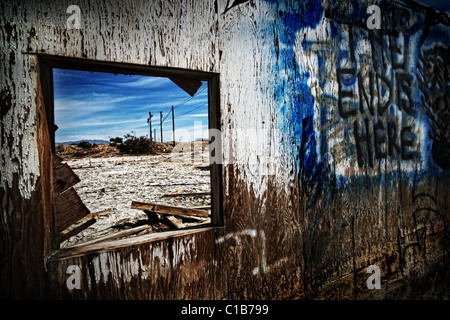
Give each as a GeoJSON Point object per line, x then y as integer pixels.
{"type": "Point", "coordinates": [161, 121]}
{"type": "Point", "coordinates": [173, 126]}
{"type": "Point", "coordinates": [149, 121]}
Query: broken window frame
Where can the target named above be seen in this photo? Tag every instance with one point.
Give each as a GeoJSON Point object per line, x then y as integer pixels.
{"type": "Point", "coordinates": [46, 65]}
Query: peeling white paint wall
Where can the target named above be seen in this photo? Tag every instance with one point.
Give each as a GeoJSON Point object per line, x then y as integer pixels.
{"type": "Point", "coordinates": [187, 34]}
{"type": "Point", "coordinates": [251, 140]}
{"type": "Point", "coordinates": [160, 33]}
{"type": "Point", "coordinates": [19, 151]}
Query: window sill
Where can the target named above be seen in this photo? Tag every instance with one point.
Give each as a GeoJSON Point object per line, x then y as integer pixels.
{"type": "Point", "coordinates": [94, 246]}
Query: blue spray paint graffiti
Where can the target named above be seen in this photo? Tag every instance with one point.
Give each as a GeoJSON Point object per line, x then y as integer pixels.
{"type": "Point", "coordinates": [434, 83]}
{"type": "Point", "coordinates": [375, 116]}
{"type": "Point", "coordinates": [367, 103]}
{"type": "Point", "coordinates": [293, 94]}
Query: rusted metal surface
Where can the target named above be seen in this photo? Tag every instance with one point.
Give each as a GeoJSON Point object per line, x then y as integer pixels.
{"type": "Point", "coordinates": [335, 143]}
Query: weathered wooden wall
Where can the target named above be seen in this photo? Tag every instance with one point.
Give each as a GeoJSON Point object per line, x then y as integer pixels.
{"type": "Point", "coordinates": [335, 147]}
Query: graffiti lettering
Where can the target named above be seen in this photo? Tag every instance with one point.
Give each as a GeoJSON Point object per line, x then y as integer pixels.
{"type": "Point", "coordinates": [404, 92]}
{"type": "Point", "coordinates": [375, 94]}
{"type": "Point", "coordinates": [360, 139]}
{"type": "Point", "coordinates": [263, 266]}
{"type": "Point", "coordinates": [368, 83]}
{"type": "Point", "coordinates": [345, 81]}
{"type": "Point", "coordinates": [378, 140]}
{"type": "Point", "coordinates": [434, 84]}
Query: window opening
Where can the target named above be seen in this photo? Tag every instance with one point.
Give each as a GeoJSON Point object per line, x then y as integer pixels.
{"type": "Point", "coordinates": [136, 150]}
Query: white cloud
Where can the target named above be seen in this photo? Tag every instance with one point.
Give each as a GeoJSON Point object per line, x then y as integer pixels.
{"type": "Point", "coordinates": [197, 115]}
{"type": "Point", "coordinates": [145, 81]}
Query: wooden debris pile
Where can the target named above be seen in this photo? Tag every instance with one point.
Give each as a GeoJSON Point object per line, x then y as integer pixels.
{"type": "Point", "coordinates": [72, 216]}
{"type": "Point", "coordinates": [68, 207]}
{"type": "Point", "coordinates": [176, 217]}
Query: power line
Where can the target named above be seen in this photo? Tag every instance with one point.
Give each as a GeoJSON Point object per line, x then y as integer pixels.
{"type": "Point", "coordinates": [165, 117]}
{"type": "Point", "coordinates": [192, 109]}
{"type": "Point", "coordinates": [183, 103]}
{"type": "Point", "coordinates": [190, 98]}
{"type": "Point", "coordinates": [181, 114]}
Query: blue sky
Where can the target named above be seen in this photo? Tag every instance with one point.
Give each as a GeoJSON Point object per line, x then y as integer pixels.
{"type": "Point", "coordinates": [97, 105]}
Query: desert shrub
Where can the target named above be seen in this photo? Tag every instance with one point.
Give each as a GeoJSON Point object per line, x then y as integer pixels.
{"type": "Point", "coordinates": [136, 145]}
{"type": "Point", "coordinates": [60, 148]}
{"type": "Point", "coordinates": [115, 141]}
{"type": "Point", "coordinates": [84, 145]}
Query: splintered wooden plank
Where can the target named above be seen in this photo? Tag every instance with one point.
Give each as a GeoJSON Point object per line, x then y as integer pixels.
{"type": "Point", "coordinates": [95, 246]}
{"type": "Point", "coordinates": [113, 236]}
{"type": "Point", "coordinates": [164, 209]}
{"type": "Point", "coordinates": [58, 186]}
{"type": "Point", "coordinates": [174, 222]}
{"type": "Point", "coordinates": [69, 233]}
{"type": "Point", "coordinates": [93, 215]}
{"type": "Point", "coordinates": [68, 209]}
{"type": "Point", "coordinates": [64, 178]}
{"type": "Point", "coordinates": [56, 160]}
{"type": "Point", "coordinates": [201, 207]}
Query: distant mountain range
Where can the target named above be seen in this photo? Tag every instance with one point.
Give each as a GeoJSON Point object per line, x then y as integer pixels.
{"type": "Point", "coordinates": [76, 142]}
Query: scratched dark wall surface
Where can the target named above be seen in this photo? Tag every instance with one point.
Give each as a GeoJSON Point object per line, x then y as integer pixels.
{"type": "Point", "coordinates": [336, 145]}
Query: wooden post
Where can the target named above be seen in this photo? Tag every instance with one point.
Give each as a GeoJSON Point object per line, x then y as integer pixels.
{"type": "Point", "coordinates": [149, 120]}
{"type": "Point", "coordinates": [161, 121]}
{"type": "Point", "coordinates": [173, 126]}
{"type": "Point", "coordinates": [165, 209]}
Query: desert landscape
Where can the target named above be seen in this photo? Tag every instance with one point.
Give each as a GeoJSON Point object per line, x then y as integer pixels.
{"type": "Point", "coordinates": [111, 181]}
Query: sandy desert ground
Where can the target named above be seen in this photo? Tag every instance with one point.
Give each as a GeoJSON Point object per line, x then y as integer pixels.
{"type": "Point", "coordinates": [110, 182]}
